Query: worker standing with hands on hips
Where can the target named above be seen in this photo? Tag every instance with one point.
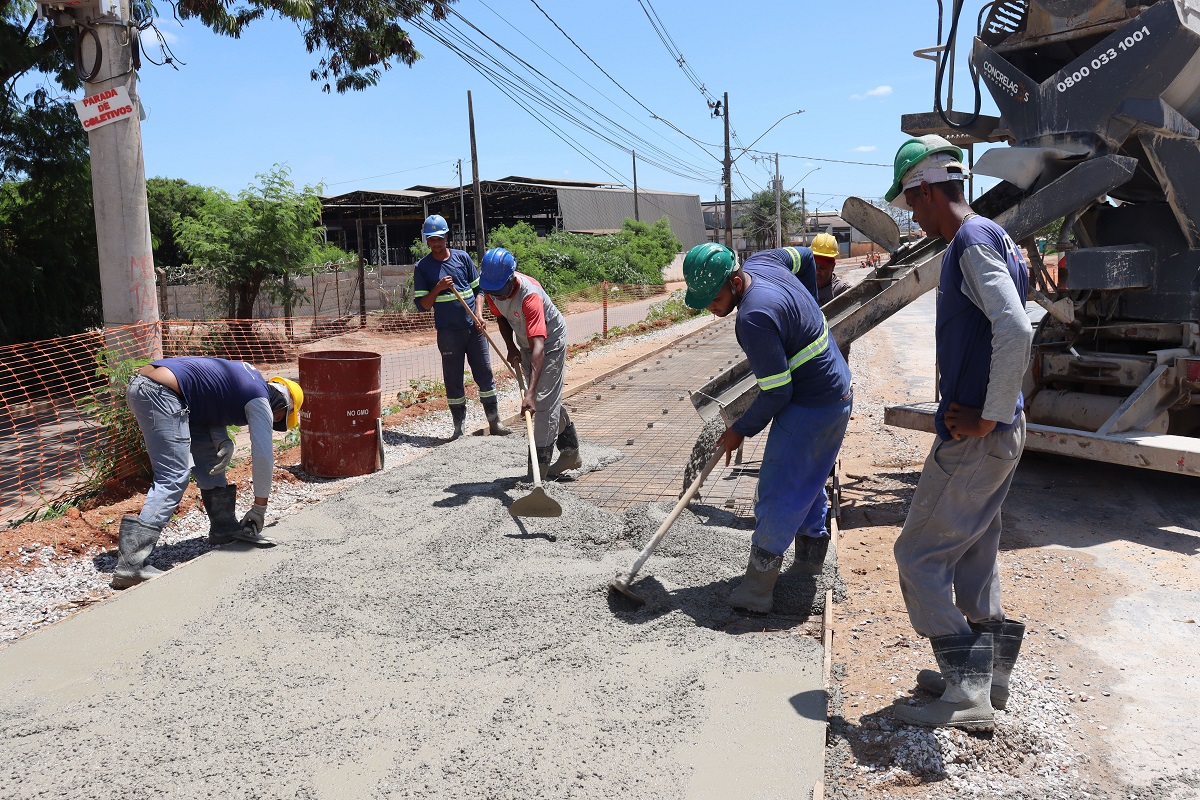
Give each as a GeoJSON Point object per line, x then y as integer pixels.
{"type": "Point", "coordinates": [536, 335]}
{"type": "Point", "coordinates": [805, 395]}
{"type": "Point", "coordinates": [947, 551]}
{"type": "Point", "coordinates": [184, 407]}
{"type": "Point", "coordinates": [460, 336]}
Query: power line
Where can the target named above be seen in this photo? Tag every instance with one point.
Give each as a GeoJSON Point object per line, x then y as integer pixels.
{"type": "Point", "coordinates": [397, 172]}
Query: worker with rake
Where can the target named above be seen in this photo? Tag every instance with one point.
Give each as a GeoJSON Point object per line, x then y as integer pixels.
{"type": "Point", "coordinates": [804, 395]}
{"type": "Point", "coordinates": [947, 551]}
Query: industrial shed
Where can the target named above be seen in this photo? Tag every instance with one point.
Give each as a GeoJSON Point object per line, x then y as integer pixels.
{"type": "Point", "coordinates": [389, 221]}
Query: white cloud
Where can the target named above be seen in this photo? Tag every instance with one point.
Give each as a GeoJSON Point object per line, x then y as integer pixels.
{"type": "Point", "coordinates": [865, 148]}
{"type": "Point", "coordinates": [879, 91]}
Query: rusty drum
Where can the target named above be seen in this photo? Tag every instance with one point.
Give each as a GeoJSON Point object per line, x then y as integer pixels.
{"type": "Point", "coordinates": [339, 430]}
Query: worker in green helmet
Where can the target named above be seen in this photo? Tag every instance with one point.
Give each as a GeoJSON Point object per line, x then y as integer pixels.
{"type": "Point", "coordinates": [947, 551]}
{"type": "Point", "coordinates": [804, 395]}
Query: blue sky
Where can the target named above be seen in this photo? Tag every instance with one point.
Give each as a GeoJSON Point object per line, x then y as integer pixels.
{"type": "Point", "coordinates": [239, 106]}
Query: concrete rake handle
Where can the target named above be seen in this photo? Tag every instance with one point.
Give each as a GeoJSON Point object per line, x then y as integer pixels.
{"type": "Point", "coordinates": [674, 515]}
{"type": "Point", "coordinates": [537, 473]}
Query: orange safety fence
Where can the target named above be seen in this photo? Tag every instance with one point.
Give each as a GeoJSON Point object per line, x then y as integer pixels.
{"type": "Point", "coordinates": [65, 431]}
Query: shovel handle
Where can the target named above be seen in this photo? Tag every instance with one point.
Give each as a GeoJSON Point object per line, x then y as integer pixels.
{"type": "Point", "coordinates": [491, 341]}
{"type": "Point", "coordinates": [675, 512]}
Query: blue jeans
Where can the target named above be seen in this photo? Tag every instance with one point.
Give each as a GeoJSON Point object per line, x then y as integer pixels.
{"type": "Point", "coordinates": [801, 450]}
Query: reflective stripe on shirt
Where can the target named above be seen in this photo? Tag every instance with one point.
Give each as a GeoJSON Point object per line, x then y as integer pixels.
{"type": "Point", "coordinates": [820, 345]}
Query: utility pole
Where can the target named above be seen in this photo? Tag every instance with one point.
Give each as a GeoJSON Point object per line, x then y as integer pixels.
{"type": "Point", "coordinates": [804, 215]}
{"type": "Point", "coordinates": [636, 216]}
{"type": "Point", "coordinates": [462, 208]}
{"type": "Point", "coordinates": [475, 184]}
{"type": "Point", "coordinates": [778, 207]}
{"type": "Point", "coordinates": [728, 178]}
{"type": "Point", "coordinates": [127, 286]}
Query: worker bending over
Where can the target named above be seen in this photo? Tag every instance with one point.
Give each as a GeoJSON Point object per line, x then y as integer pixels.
{"type": "Point", "coordinates": [947, 550]}
{"type": "Point", "coordinates": [536, 336]}
{"type": "Point", "coordinates": [804, 393]}
{"type": "Point", "coordinates": [184, 407]}
{"type": "Point", "coordinates": [460, 336]}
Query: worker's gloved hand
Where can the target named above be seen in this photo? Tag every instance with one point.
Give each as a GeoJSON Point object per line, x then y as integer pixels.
{"type": "Point", "coordinates": [255, 518]}
{"type": "Point", "coordinates": [224, 456]}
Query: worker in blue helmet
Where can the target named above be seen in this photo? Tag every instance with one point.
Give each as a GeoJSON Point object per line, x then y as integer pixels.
{"type": "Point", "coordinates": [460, 336]}
{"type": "Point", "coordinates": [804, 395]}
{"type": "Point", "coordinates": [946, 554]}
{"type": "Point", "coordinates": [536, 335]}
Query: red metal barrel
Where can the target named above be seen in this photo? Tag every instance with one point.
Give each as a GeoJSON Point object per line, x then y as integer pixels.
{"type": "Point", "coordinates": [338, 421]}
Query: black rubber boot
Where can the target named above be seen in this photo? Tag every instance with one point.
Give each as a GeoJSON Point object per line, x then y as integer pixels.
{"type": "Point", "coordinates": [810, 555]}
{"type": "Point", "coordinates": [491, 410]}
{"type": "Point", "coordinates": [966, 664]}
{"type": "Point", "coordinates": [568, 452]}
{"type": "Point", "coordinates": [221, 506]}
{"type": "Point", "coordinates": [1006, 646]}
{"type": "Point", "coordinates": [544, 454]}
{"type": "Point", "coordinates": [136, 543]}
{"type": "Point", "coordinates": [755, 592]}
{"type": "Point", "coordinates": [458, 413]}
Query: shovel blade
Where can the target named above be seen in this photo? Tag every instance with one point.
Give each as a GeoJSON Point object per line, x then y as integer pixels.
{"type": "Point", "coordinates": [536, 504]}
{"type": "Point", "coordinates": [621, 584]}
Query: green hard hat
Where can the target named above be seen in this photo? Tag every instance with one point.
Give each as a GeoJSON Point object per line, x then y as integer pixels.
{"type": "Point", "coordinates": [913, 152]}
{"type": "Point", "coordinates": [706, 267]}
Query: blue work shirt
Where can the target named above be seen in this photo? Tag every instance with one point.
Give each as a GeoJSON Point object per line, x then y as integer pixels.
{"type": "Point", "coordinates": [216, 391]}
{"type": "Point", "coordinates": [788, 345]}
{"type": "Point", "coordinates": [448, 313]}
{"type": "Point", "coordinates": [797, 260]}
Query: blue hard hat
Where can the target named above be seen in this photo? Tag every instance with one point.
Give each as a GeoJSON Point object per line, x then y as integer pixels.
{"type": "Point", "coordinates": [498, 266]}
{"type": "Point", "coordinates": [435, 225]}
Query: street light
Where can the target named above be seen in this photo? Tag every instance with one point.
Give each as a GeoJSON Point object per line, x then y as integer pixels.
{"type": "Point", "coordinates": [729, 159]}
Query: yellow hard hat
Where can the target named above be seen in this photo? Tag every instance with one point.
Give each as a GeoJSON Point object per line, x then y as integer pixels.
{"type": "Point", "coordinates": [825, 245]}
{"type": "Point", "coordinates": [295, 398]}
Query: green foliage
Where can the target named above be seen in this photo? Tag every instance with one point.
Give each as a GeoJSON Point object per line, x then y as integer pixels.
{"type": "Point", "coordinates": [419, 391]}
{"type": "Point", "coordinates": [418, 250]}
{"type": "Point", "coordinates": [266, 236]}
{"type": "Point", "coordinates": [565, 262]}
{"type": "Point", "coordinates": [355, 40]}
{"type": "Point", "coordinates": [757, 219]}
{"type": "Point", "coordinates": [49, 267]}
{"type": "Point", "coordinates": [168, 200]}
{"type": "Point", "coordinates": [121, 445]}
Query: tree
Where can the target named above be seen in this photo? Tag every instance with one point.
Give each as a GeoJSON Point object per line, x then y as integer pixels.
{"type": "Point", "coordinates": [170, 199]}
{"type": "Point", "coordinates": [257, 240]}
{"type": "Point", "coordinates": [903, 218]}
{"type": "Point", "coordinates": [757, 219]}
{"type": "Point", "coordinates": [355, 41]}
{"type": "Point", "coordinates": [49, 267]}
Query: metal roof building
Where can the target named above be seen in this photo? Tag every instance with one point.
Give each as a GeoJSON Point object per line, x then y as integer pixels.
{"type": "Point", "coordinates": [388, 222]}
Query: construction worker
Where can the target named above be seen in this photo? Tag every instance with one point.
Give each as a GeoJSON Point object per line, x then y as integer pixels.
{"type": "Point", "coordinates": [829, 285]}
{"type": "Point", "coordinates": [805, 396]}
{"type": "Point", "coordinates": [536, 336]}
{"type": "Point", "coordinates": [947, 550]}
{"type": "Point", "coordinates": [460, 337]}
{"type": "Point", "coordinates": [184, 407]}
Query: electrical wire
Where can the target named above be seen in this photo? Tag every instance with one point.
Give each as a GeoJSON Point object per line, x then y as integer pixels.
{"type": "Point", "coordinates": [943, 59]}
{"type": "Point", "coordinates": [82, 31]}
{"type": "Point", "coordinates": [397, 172]}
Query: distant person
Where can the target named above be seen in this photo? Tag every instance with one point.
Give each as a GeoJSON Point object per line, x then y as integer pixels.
{"type": "Point", "coordinates": [536, 335]}
{"type": "Point", "coordinates": [805, 397]}
{"type": "Point", "coordinates": [460, 338]}
{"type": "Point", "coordinates": [829, 285]}
{"type": "Point", "coordinates": [184, 407]}
{"type": "Point", "coordinates": [947, 551]}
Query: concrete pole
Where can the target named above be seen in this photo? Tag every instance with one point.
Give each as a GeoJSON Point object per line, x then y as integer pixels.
{"type": "Point", "coordinates": [778, 207]}
{"type": "Point", "coordinates": [479, 235]}
{"type": "Point", "coordinates": [728, 179]}
{"type": "Point", "coordinates": [127, 287]}
{"type": "Point", "coordinates": [636, 216]}
{"type": "Point", "coordinates": [462, 208]}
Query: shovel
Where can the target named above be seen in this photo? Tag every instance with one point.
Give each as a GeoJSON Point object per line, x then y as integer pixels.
{"type": "Point", "coordinates": [621, 582]}
{"type": "Point", "coordinates": [537, 503]}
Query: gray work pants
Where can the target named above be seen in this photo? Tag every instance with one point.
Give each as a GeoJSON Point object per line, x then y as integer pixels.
{"type": "Point", "coordinates": [946, 553]}
{"type": "Point", "coordinates": [550, 418]}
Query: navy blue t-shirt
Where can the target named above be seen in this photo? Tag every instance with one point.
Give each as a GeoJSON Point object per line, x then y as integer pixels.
{"type": "Point", "coordinates": [797, 260]}
{"type": "Point", "coordinates": [216, 391]}
{"type": "Point", "coordinates": [448, 313]}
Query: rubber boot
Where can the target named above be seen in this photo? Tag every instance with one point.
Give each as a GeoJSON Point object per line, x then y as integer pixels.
{"type": "Point", "coordinates": [221, 506]}
{"type": "Point", "coordinates": [755, 592]}
{"type": "Point", "coordinates": [544, 454]}
{"type": "Point", "coordinates": [458, 413]}
{"type": "Point", "coordinates": [491, 410]}
{"type": "Point", "coordinates": [136, 543]}
{"type": "Point", "coordinates": [810, 555]}
{"type": "Point", "coordinates": [1006, 646]}
{"type": "Point", "coordinates": [966, 663]}
{"type": "Point", "coordinates": [568, 452]}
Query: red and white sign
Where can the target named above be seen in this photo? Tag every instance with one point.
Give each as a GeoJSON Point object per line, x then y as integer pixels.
{"type": "Point", "coordinates": [98, 110]}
